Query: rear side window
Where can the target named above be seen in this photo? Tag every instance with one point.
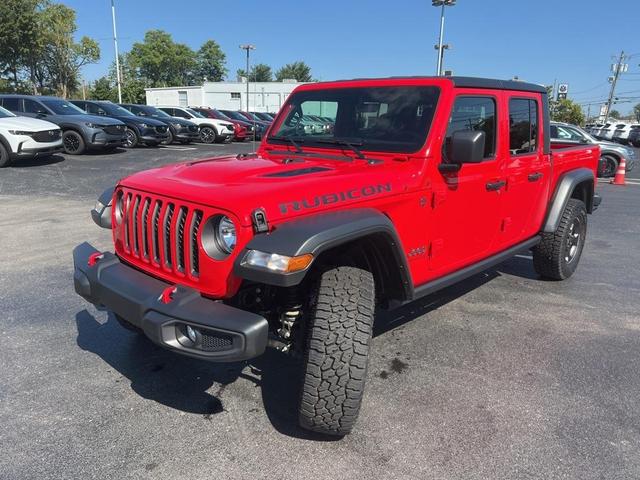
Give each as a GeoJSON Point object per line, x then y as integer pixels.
{"type": "Point", "coordinates": [12, 104]}
{"type": "Point", "coordinates": [523, 125]}
{"type": "Point", "coordinates": [476, 114]}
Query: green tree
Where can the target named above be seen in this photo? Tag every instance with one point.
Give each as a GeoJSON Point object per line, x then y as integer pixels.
{"type": "Point", "coordinates": [566, 111]}
{"type": "Point", "coordinates": [259, 73]}
{"type": "Point", "coordinates": [614, 114]}
{"type": "Point", "coordinates": [103, 89]}
{"type": "Point", "coordinates": [131, 84]}
{"type": "Point", "coordinates": [210, 63]}
{"type": "Point", "coordinates": [299, 71]}
{"type": "Point", "coordinates": [161, 62]}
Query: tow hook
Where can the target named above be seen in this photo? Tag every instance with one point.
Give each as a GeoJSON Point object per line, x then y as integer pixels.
{"type": "Point", "coordinates": [94, 257]}
{"type": "Point", "coordinates": [167, 294]}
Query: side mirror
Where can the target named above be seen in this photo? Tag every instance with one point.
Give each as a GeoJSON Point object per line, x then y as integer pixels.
{"type": "Point", "coordinates": [41, 113]}
{"type": "Point", "coordinates": [467, 146]}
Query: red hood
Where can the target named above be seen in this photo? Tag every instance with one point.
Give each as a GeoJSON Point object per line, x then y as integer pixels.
{"type": "Point", "coordinates": [242, 184]}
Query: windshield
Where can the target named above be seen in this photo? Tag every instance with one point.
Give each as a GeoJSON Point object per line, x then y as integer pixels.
{"type": "Point", "coordinates": [154, 112]}
{"type": "Point", "coordinates": [234, 115]}
{"type": "Point", "coordinates": [194, 113]}
{"type": "Point", "coordinates": [62, 107]}
{"type": "Point", "coordinates": [5, 113]}
{"type": "Point", "coordinates": [263, 116]}
{"type": "Point", "coordinates": [220, 116]}
{"type": "Point", "coordinates": [385, 119]}
{"type": "Point", "coordinates": [116, 110]}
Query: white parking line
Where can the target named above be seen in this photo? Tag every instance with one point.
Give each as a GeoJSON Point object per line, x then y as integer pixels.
{"type": "Point", "coordinates": [178, 149]}
{"type": "Point", "coordinates": [628, 181]}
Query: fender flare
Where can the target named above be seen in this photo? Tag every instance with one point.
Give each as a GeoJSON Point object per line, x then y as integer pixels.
{"type": "Point", "coordinates": [565, 187]}
{"type": "Point", "coordinates": [5, 143]}
{"type": "Point", "coordinates": [316, 234]}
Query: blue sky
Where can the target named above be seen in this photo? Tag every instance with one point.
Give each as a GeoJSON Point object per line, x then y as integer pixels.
{"type": "Point", "coordinates": [571, 41]}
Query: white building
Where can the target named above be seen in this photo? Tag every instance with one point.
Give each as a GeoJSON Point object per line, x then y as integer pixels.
{"type": "Point", "coordinates": [263, 96]}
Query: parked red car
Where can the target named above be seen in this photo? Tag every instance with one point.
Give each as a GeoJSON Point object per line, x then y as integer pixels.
{"type": "Point", "coordinates": [423, 183]}
{"type": "Point", "coordinates": [241, 130]}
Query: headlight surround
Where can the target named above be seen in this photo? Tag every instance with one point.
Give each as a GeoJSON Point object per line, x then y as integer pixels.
{"type": "Point", "coordinates": [21, 132]}
{"type": "Point", "coordinates": [276, 262]}
{"type": "Point", "coordinates": [177, 125]}
{"type": "Point", "coordinates": [146, 125]}
{"type": "Point", "coordinates": [219, 237]}
{"type": "Point", "coordinates": [93, 125]}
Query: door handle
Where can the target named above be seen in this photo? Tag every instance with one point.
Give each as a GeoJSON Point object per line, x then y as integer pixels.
{"type": "Point", "coordinates": [493, 186]}
{"type": "Point", "coordinates": [534, 177]}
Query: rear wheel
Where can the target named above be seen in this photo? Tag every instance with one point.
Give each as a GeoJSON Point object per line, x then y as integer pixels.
{"type": "Point", "coordinates": [557, 255]}
{"type": "Point", "coordinates": [5, 158]}
{"type": "Point", "coordinates": [130, 138]}
{"type": "Point", "coordinates": [73, 143]}
{"type": "Point", "coordinates": [607, 166]}
{"type": "Point", "coordinates": [208, 135]}
{"type": "Point", "coordinates": [338, 335]}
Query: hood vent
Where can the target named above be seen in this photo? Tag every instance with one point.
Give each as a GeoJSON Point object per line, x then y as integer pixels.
{"type": "Point", "coordinates": [297, 172]}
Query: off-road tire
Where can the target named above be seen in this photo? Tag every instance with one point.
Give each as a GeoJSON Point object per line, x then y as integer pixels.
{"type": "Point", "coordinates": [126, 324]}
{"type": "Point", "coordinates": [338, 334]}
{"type": "Point", "coordinates": [73, 143]}
{"type": "Point", "coordinates": [5, 158]}
{"type": "Point", "coordinates": [553, 257]}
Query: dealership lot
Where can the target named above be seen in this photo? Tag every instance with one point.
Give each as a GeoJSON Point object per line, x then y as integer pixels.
{"type": "Point", "coordinates": [502, 376]}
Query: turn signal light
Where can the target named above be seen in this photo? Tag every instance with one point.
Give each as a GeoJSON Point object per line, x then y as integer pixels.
{"type": "Point", "coordinates": [276, 262]}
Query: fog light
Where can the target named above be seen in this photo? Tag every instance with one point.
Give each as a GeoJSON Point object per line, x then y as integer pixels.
{"type": "Point", "coordinates": [192, 334]}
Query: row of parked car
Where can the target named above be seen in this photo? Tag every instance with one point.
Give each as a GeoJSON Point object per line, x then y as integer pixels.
{"type": "Point", "coordinates": [36, 126]}
{"type": "Point", "coordinates": [619, 132]}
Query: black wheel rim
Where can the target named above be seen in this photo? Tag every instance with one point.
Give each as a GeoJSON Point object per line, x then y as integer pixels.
{"type": "Point", "coordinates": [207, 135]}
{"type": "Point", "coordinates": [130, 138]}
{"type": "Point", "coordinates": [574, 241]}
{"type": "Point", "coordinates": [71, 143]}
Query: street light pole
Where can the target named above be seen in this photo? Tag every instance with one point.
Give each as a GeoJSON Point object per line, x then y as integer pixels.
{"type": "Point", "coordinates": [248, 48]}
{"type": "Point", "coordinates": [115, 44]}
{"type": "Point", "coordinates": [440, 46]}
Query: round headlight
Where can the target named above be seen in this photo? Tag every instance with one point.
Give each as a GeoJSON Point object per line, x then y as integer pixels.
{"type": "Point", "coordinates": [226, 234]}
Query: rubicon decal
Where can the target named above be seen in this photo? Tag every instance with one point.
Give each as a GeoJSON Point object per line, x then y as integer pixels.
{"type": "Point", "coordinates": [330, 198]}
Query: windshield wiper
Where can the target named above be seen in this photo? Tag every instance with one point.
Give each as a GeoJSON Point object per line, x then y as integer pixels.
{"type": "Point", "coordinates": [351, 145]}
{"type": "Point", "coordinates": [287, 138]}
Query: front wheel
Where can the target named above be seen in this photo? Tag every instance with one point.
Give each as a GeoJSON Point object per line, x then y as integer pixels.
{"type": "Point", "coordinates": [73, 143]}
{"type": "Point", "coordinates": [5, 158]}
{"type": "Point", "coordinates": [557, 255]}
{"type": "Point", "coordinates": [607, 166]}
{"type": "Point", "coordinates": [169, 140]}
{"type": "Point", "coordinates": [338, 334]}
{"type": "Point", "coordinates": [130, 138]}
{"type": "Point", "coordinates": [208, 135]}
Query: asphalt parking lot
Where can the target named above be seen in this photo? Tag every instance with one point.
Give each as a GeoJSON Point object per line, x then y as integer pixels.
{"type": "Point", "coordinates": [504, 376]}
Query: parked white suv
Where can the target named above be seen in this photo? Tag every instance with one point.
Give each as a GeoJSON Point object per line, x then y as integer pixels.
{"type": "Point", "coordinates": [621, 133]}
{"type": "Point", "coordinates": [24, 137]}
{"type": "Point", "coordinates": [211, 129]}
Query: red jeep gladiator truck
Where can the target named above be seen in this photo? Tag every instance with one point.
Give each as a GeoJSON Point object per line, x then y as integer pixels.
{"type": "Point", "coordinates": [420, 183]}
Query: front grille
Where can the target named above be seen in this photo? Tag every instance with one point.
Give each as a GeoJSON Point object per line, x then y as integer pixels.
{"type": "Point", "coordinates": [162, 233]}
{"type": "Point", "coordinates": [193, 128]}
{"type": "Point", "coordinates": [161, 129]}
{"type": "Point", "coordinates": [47, 136]}
{"type": "Point", "coordinates": [214, 341]}
{"type": "Point", "coordinates": [113, 129]}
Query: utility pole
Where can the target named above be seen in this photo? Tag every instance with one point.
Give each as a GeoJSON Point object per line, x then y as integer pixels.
{"type": "Point", "coordinates": [440, 47]}
{"type": "Point", "coordinates": [618, 68]}
{"type": "Point", "coordinates": [248, 48]}
{"type": "Point", "coordinates": [115, 44]}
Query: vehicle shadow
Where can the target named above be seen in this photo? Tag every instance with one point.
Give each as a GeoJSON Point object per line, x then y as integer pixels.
{"type": "Point", "coordinates": [183, 383]}
{"type": "Point", "coordinates": [36, 162]}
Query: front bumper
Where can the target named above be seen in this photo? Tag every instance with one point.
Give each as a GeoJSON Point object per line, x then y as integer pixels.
{"type": "Point", "coordinates": [37, 151]}
{"type": "Point", "coordinates": [100, 138]}
{"type": "Point", "coordinates": [150, 135]}
{"type": "Point", "coordinates": [226, 334]}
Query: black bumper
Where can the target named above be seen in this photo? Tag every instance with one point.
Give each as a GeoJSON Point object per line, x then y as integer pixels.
{"type": "Point", "coordinates": [225, 333]}
{"type": "Point", "coordinates": [37, 152]}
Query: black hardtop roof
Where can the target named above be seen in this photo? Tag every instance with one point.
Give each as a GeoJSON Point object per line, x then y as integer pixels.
{"type": "Point", "coordinates": [467, 82]}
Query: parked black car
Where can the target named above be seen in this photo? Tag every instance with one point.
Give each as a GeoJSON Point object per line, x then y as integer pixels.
{"type": "Point", "coordinates": [148, 131]}
{"type": "Point", "coordinates": [80, 131]}
{"type": "Point", "coordinates": [180, 130]}
{"type": "Point", "coordinates": [634, 136]}
{"type": "Point", "coordinates": [260, 127]}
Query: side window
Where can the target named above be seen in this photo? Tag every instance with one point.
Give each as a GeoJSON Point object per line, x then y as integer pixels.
{"type": "Point", "coordinates": [12, 104]}
{"type": "Point", "coordinates": [475, 114]}
{"type": "Point", "coordinates": [33, 107]}
{"type": "Point", "coordinates": [177, 112]}
{"type": "Point", "coordinates": [523, 125]}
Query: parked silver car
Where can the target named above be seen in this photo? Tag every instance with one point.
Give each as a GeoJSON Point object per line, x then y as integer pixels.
{"type": "Point", "coordinates": [610, 152]}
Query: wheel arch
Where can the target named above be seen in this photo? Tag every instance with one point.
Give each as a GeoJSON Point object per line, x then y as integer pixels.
{"type": "Point", "coordinates": [579, 184]}
{"type": "Point", "coordinates": [365, 238]}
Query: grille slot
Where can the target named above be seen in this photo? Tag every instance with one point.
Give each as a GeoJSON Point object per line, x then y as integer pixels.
{"type": "Point", "coordinates": [145, 230]}
{"type": "Point", "coordinates": [136, 231]}
{"type": "Point", "coordinates": [182, 217]}
{"type": "Point", "coordinates": [127, 215]}
{"type": "Point", "coordinates": [196, 220]}
{"type": "Point", "coordinates": [168, 216]}
{"type": "Point", "coordinates": [155, 235]}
